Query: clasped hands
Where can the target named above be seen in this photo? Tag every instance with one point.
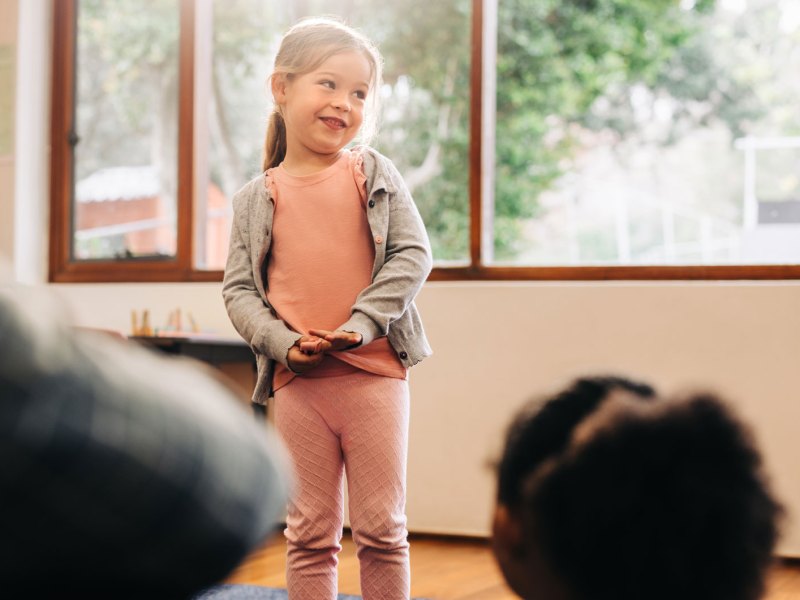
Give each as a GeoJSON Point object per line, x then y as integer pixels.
{"type": "Point", "coordinates": [310, 349]}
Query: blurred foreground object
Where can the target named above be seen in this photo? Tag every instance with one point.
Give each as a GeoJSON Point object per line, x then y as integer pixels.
{"type": "Point", "coordinates": [122, 473]}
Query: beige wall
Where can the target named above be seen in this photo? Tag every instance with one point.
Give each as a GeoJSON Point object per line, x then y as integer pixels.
{"type": "Point", "coordinates": [8, 38]}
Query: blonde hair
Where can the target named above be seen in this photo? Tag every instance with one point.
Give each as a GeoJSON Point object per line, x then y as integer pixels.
{"type": "Point", "coordinates": [303, 48]}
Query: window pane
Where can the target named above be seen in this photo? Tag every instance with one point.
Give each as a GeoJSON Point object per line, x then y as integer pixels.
{"type": "Point", "coordinates": [126, 123]}
{"type": "Point", "coordinates": [632, 132]}
{"type": "Point", "coordinates": [233, 104]}
{"type": "Point", "coordinates": [426, 110]}
{"type": "Point", "coordinates": [425, 105]}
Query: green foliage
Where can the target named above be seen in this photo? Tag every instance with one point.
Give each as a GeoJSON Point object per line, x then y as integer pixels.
{"type": "Point", "coordinates": [555, 59]}
{"type": "Point", "coordinates": [128, 36]}
{"type": "Point", "coordinates": [127, 57]}
{"type": "Point", "coordinates": [428, 44]}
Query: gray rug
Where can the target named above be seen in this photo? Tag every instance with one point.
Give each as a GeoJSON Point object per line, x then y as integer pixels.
{"type": "Point", "coordinates": [229, 591]}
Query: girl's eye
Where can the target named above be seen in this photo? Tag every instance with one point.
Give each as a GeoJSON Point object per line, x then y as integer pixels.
{"type": "Point", "coordinates": [328, 84]}
{"type": "Point", "coordinates": [361, 95]}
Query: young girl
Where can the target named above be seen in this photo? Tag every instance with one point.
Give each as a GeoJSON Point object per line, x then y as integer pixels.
{"type": "Point", "coordinates": [327, 254]}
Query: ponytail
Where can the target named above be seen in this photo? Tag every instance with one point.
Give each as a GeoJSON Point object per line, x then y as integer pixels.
{"type": "Point", "coordinates": [275, 142]}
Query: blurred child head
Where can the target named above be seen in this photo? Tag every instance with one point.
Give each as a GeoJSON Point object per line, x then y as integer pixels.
{"type": "Point", "coordinates": [608, 492]}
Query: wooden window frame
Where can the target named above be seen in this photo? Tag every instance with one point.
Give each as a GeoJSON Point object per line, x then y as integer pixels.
{"type": "Point", "coordinates": [62, 268]}
{"type": "Point", "coordinates": [181, 268]}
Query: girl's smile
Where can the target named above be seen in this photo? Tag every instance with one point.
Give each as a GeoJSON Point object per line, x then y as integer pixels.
{"type": "Point", "coordinates": [334, 122]}
{"type": "Point", "coordinates": [323, 109]}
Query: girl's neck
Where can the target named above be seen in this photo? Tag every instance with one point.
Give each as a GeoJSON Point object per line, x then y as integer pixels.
{"type": "Point", "coordinates": [308, 164]}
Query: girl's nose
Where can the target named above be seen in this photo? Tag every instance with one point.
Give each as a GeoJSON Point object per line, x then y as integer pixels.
{"type": "Point", "coordinates": [341, 102]}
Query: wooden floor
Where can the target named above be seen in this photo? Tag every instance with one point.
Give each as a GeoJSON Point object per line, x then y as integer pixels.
{"type": "Point", "coordinates": [446, 569]}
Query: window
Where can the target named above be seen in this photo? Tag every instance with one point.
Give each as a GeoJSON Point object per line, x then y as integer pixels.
{"type": "Point", "coordinates": [645, 133]}
{"type": "Point", "coordinates": [121, 167]}
{"type": "Point", "coordinates": [541, 139]}
{"type": "Point", "coordinates": [125, 137]}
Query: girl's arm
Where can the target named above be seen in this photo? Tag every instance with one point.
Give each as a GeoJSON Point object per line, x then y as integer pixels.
{"type": "Point", "coordinates": [406, 267]}
{"type": "Point", "coordinates": [251, 316]}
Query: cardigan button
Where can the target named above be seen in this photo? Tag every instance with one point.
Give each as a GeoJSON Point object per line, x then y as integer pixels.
{"type": "Point", "coordinates": [404, 355]}
{"type": "Point", "coordinates": [371, 203]}
{"type": "Point", "coordinates": [378, 239]}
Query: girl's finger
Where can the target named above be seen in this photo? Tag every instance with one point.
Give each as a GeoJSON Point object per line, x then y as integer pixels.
{"type": "Point", "coordinates": [312, 346]}
{"type": "Point", "coordinates": [323, 333]}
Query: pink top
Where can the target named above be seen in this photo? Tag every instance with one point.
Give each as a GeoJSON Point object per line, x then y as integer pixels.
{"type": "Point", "coordinates": [321, 258]}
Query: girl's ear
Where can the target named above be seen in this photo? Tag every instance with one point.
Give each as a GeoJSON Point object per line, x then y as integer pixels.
{"type": "Point", "coordinates": [507, 531]}
{"type": "Point", "coordinates": [279, 82]}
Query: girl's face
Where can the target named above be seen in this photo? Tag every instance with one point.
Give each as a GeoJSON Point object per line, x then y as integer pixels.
{"type": "Point", "coordinates": [323, 109]}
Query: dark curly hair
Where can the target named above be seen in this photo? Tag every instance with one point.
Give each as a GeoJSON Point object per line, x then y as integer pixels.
{"type": "Point", "coordinates": [657, 499]}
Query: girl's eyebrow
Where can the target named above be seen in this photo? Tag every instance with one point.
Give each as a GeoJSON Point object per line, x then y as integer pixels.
{"type": "Point", "coordinates": [332, 74]}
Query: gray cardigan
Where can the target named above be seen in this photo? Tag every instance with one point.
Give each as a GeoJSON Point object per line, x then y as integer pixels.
{"type": "Point", "coordinates": [385, 307]}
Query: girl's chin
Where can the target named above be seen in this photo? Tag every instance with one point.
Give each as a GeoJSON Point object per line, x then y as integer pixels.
{"type": "Point", "coordinates": [334, 146]}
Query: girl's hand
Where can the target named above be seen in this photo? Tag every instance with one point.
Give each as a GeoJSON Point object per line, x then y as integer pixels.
{"type": "Point", "coordinates": [306, 353]}
{"type": "Point", "coordinates": [338, 340]}
{"type": "Point", "coordinates": [299, 362]}
{"type": "Point", "coordinates": [313, 345]}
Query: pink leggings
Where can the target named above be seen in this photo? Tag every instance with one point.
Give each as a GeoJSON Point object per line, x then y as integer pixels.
{"type": "Point", "coordinates": [359, 423]}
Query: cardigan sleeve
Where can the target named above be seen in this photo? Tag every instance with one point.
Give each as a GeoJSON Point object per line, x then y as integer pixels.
{"type": "Point", "coordinates": [407, 264]}
{"type": "Point", "coordinates": [247, 309]}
